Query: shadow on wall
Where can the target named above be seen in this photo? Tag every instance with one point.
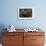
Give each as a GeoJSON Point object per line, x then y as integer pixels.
{"type": "Point", "coordinates": [2, 26]}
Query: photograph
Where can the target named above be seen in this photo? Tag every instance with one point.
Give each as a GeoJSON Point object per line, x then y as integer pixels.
{"type": "Point", "coordinates": [25, 13]}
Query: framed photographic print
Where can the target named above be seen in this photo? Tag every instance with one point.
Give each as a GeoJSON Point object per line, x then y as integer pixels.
{"type": "Point", "coordinates": [25, 13]}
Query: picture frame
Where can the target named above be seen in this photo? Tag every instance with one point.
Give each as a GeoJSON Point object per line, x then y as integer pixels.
{"type": "Point", "coordinates": [25, 13]}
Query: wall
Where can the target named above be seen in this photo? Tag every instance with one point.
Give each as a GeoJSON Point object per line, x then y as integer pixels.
{"type": "Point", "coordinates": [9, 13]}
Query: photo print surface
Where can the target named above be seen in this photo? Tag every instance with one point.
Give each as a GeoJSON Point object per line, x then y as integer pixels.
{"type": "Point", "coordinates": [25, 12]}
